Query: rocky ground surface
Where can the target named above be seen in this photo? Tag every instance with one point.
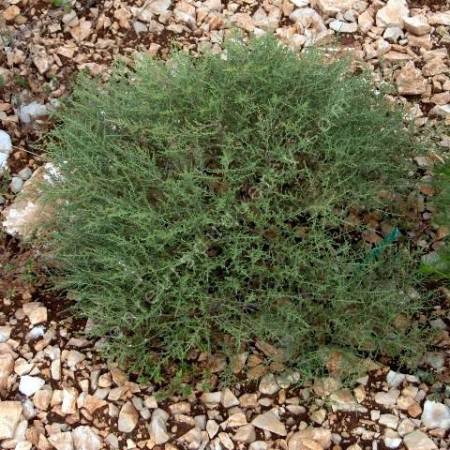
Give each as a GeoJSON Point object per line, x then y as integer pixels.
{"type": "Point", "coordinates": [55, 391]}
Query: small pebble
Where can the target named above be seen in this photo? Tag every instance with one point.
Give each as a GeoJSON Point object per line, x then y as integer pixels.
{"type": "Point", "coordinates": [16, 185]}
{"type": "Point", "coordinates": [25, 173]}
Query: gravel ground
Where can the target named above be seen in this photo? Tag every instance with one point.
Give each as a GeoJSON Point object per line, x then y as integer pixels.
{"type": "Point", "coordinates": [55, 391]}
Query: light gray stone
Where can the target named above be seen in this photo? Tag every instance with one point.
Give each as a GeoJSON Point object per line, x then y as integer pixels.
{"type": "Point", "coordinates": [269, 421]}
{"type": "Point", "coordinates": [128, 418]}
{"type": "Point", "coordinates": [393, 34]}
{"type": "Point", "coordinates": [436, 415]}
{"type": "Point", "coordinates": [61, 440]}
{"type": "Point", "coordinates": [258, 445]}
{"type": "Point", "coordinates": [332, 7]}
{"type": "Point", "coordinates": [25, 173]}
{"type": "Point", "coordinates": [5, 144]}
{"type": "Point", "coordinates": [308, 18]}
{"type": "Point", "coordinates": [389, 420]}
{"type": "Point", "coordinates": [36, 312]}
{"type": "Point", "coordinates": [140, 27]}
{"type": "Point", "coordinates": [211, 397]}
{"type": "Point", "coordinates": [391, 438]}
{"type": "Point", "coordinates": [3, 161]}
{"type": "Point", "coordinates": [245, 434]}
{"type": "Point", "coordinates": [158, 426]}
{"type": "Point", "coordinates": [30, 385]}
{"type": "Point", "coordinates": [387, 399]}
{"type": "Point", "coordinates": [6, 369]}
{"type": "Point", "coordinates": [417, 25]}
{"type": "Point", "coordinates": [9, 418]}
{"type": "Point", "coordinates": [16, 185]}
{"type": "Point", "coordinates": [322, 436]}
{"type": "Point", "coordinates": [159, 6]}
{"type": "Point", "coordinates": [343, 27]}
{"type": "Point", "coordinates": [410, 81]}
{"type": "Point", "coordinates": [417, 440]}
{"type": "Point", "coordinates": [112, 441]}
{"type": "Point", "coordinates": [343, 400]}
{"type": "Point", "coordinates": [440, 111]}
{"type": "Point", "coordinates": [69, 399]}
{"type": "Point", "coordinates": [212, 428]}
{"type": "Point", "coordinates": [31, 111]}
{"type": "Point", "coordinates": [440, 18]}
{"type": "Point", "coordinates": [288, 378]}
{"type": "Point", "coordinates": [393, 14]}
{"type": "Point", "coordinates": [268, 385]}
{"type": "Point", "coordinates": [300, 3]}
{"type": "Point", "coordinates": [192, 439]}
{"type": "Point", "coordinates": [229, 399]}
{"type": "Point", "coordinates": [5, 333]}
{"type": "Point", "coordinates": [85, 438]}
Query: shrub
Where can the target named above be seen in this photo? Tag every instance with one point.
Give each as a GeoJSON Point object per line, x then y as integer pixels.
{"type": "Point", "coordinates": [209, 201]}
{"type": "Point", "coordinates": [439, 267]}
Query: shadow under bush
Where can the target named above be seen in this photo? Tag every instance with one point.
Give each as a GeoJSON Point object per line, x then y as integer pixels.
{"type": "Point", "coordinates": [208, 201]}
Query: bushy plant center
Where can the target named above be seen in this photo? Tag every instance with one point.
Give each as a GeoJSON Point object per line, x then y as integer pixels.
{"type": "Point", "coordinates": [206, 203]}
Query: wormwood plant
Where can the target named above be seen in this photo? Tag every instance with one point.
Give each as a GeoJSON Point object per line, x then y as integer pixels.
{"type": "Point", "coordinates": [440, 266]}
{"type": "Point", "coordinates": [207, 201]}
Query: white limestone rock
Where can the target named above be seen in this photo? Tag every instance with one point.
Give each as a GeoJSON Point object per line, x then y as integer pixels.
{"type": "Point", "coordinates": [9, 418]}
{"type": "Point", "coordinates": [30, 385]}
{"type": "Point", "coordinates": [436, 415]}
{"type": "Point", "coordinates": [393, 14]}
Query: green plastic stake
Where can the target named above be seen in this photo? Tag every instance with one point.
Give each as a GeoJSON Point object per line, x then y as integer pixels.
{"type": "Point", "coordinates": [378, 249]}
